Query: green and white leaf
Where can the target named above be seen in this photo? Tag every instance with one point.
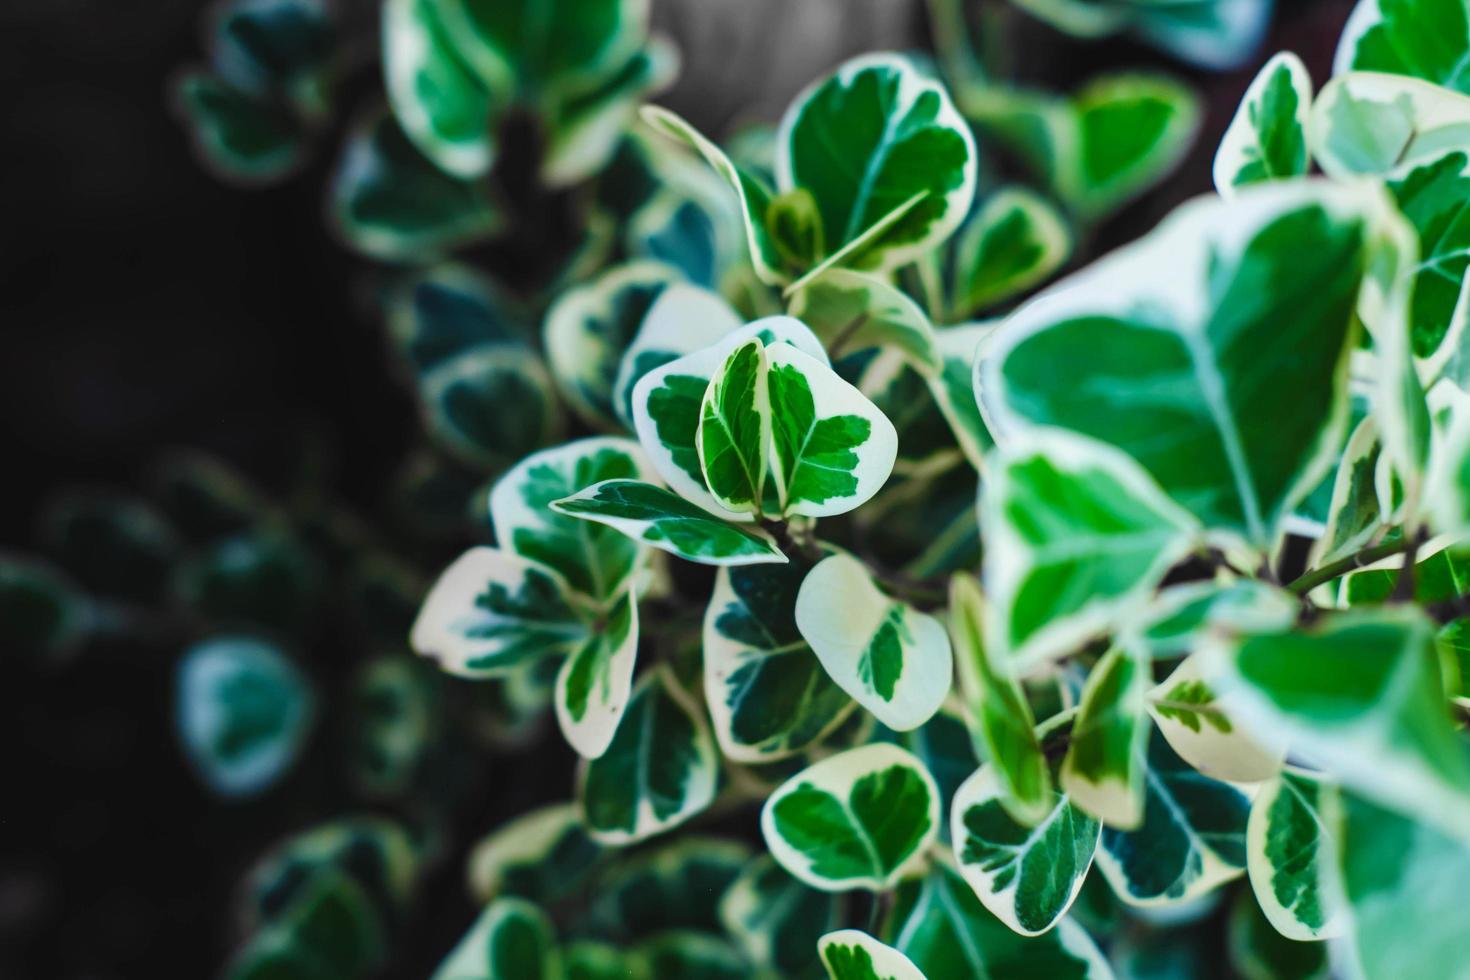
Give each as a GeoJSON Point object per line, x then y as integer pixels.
{"type": "Point", "coordinates": [1103, 771]}
{"type": "Point", "coordinates": [1176, 620]}
{"type": "Point", "coordinates": [1077, 537]}
{"type": "Point", "coordinates": [682, 320]}
{"type": "Point", "coordinates": [668, 399]}
{"type": "Point", "coordinates": [997, 711]}
{"type": "Point", "coordinates": [42, 613]}
{"type": "Point", "coordinates": [1432, 196]}
{"type": "Point", "coordinates": [649, 513]}
{"type": "Point", "coordinates": [542, 855]}
{"type": "Point", "coordinates": [860, 311]}
{"type": "Point", "coordinates": [669, 887]}
{"type": "Point", "coordinates": [681, 955]}
{"type": "Point", "coordinates": [1353, 517]}
{"type": "Point", "coordinates": [832, 449]}
{"type": "Point", "coordinates": [1369, 123]}
{"type": "Point", "coordinates": [511, 940]}
{"type": "Point", "coordinates": [447, 309]}
{"type": "Point", "coordinates": [734, 434]}
{"type": "Point", "coordinates": [1191, 839]}
{"type": "Point", "coordinates": [1027, 876]}
{"type": "Point", "coordinates": [1015, 241]}
{"type": "Point", "coordinates": [774, 918]}
{"type": "Point", "coordinates": [238, 135]}
{"type": "Point", "coordinates": [660, 769]}
{"type": "Point", "coordinates": [1267, 139]}
{"type": "Point", "coordinates": [594, 682]}
{"type": "Point", "coordinates": [954, 387]}
{"type": "Point", "coordinates": [851, 954]}
{"type": "Point", "coordinates": [589, 328]}
{"type": "Point", "coordinates": [441, 105]}
{"type": "Point", "coordinates": [1291, 850]}
{"type": "Point", "coordinates": [945, 747]}
{"type": "Point", "coordinates": [243, 713]}
{"type": "Point", "coordinates": [1424, 39]}
{"type": "Point", "coordinates": [490, 406]}
{"type": "Point", "coordinates": [1404, 883]}
{"type": "Point", "coordinates": [767, 693]}
{"type": "Point", "coordinates": [491, 611]}
{"type": "Point", "coordinates": [939, 923]}
{"type": "Point", "coordinates": [888, 159]}
{"type": "Point", "coordinates": [391, 203]}
{"type": "Point", "coordinates": [1200, 728]}
{"type": "Point", "coordinates": [1258, 952]}
{"type": "Point", "coordinates": [594, 560]}
{"type": "Point", "coordinates": [864, 818]}
{"type": "Point", "coordinates": [889, 657]}
{"type": "Point", "coordinates": [1447, 482]}
{"type": "Point", "coordinates": [1187, 349]}
{"type": "Point", "coordinates": [1359, 694]}
{"type": "Point", "coordinates": [927, 446]}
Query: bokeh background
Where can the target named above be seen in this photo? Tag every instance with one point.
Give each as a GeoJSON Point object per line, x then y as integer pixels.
{"type": "Point", "coordinates": [145, 305]}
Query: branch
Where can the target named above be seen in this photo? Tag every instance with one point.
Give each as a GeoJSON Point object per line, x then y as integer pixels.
{"type": "Point", "coordinates": [1310, 580]}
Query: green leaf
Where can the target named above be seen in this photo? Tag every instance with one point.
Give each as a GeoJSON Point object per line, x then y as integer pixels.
{"type": "Point", "coordinates": [682, 320]}
{"type": "Point", "coordinates": [667, 401]}
{"type": "Point", "coordinates": [670, 523]}
{"type": "Point", "coordinates": [954, 388]}
{"type": "Point", "coordinates": [868, 139]}
{"type": "Point", "coordinates": [671, 887]}
{"type": "Point", "coordinates": [860, 311]}
{"type": "Point", "coordinates": [754, 196]}
{"type": "Point", "coordinates": [594, 682]}
{"type": "Point", "coordinates": [1367, 123]}
{"type": "Point", "coordinates": [1218, 35]}
{"type": "Point", "coordinates": [1177, 619]}
{"type": "Point", "coordinates": [441, 105]}
{"type": "Point", "coordinates": [594, 560]}
{"type": "Point", "coordinates": [542, 855]}
{"type": "Point", "coordinates": [530, 46]}
{"type": "Point", "coordinates": [243, 713]}
{"type": "Point", "coordinates": [734, 434]}
{"type": "Point", "coordinates": [945, 747]}
{"type": "Point", "coordinates": [1015, 241]}
{"type": "Point", "coordinates": [851, 954]}
{"type": "Point", "coordinates": [1433, 198]}
{"type": "Point", "coordinates": [690, 956]}
{"type": "Point", "coordinates": [447, 309]}
{"type": "Point", "coordinates": [997, 711]}
{"type": "Point", "coordinates": [889, 657]}
{"type": "Point", "coordinates": [1353, 516]}
{"type": "Point", "coordinates": [1290, 850]}
{"type": "Point", "coordinates": [1189, 360]}
{"type": "Point", "coordinates": [1426, 39]}
{"type": "Point", "coordinates": [861, 819]}
{"type": "Point", "coordinates": [767, 692]}
{"type": "Point", "coordinates": [588, 959]}
{"type": "Point", "coordinates": [1026, 876]}
{"type": "Point", "coordinates": [939, 923]}
{"type": "Point", "coordinates": [1447, 482]}
{"type": "Point", "coordinates": [390, 203]}
{"type": "Point", "coordinates": [239, 135]}
{"type": "Point", "coordinates": [1267, 139]}
{"type": "Point", "coordinates": [796, 228]}
{"type": "Point", "coordinates": [263, 578]}
{"type": "Point", "coordinates": [1259, 952]}
{"type": "Point", "coordinates": [511, 940]}
{"type": "Point", "coordinates": [393, 728]}
{"type": "Point", "coordinates": [332, 929]}
{"type": "Point", "coordinates": [775, 919]}
{"type": "Point", "coordinates": [1358, 693]}
{"type": "Point", "coordinates": [1191, 839]}
{"type": "Point", "coordinates": [1201, 729]}
{"type": "Point", "coordinates": [590, 326]}
{"type": "Point", "coordinates": [1403, 881]}
{"type": "Point", "coordinates": [660, 769]}
{"type": "Point", "coordinates": [42, 615]}
{"type": "Point", "coordinates": [1077, 538]}
{"type": "Point", "coordinates": [1103, 771]}
{"type": "Point", "coordinates": [832, 449]}
{"type": "Point", "coordinates": [493, 610]}
{"type": "Point", "coordinates": [1102, 146]}
{"type": "Point", "coordinates": [489, 406]}
{"type": "Point", "coordinates": [926, 443]}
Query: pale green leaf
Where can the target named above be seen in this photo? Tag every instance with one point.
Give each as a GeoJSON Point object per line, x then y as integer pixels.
{"type": "Point", "coordinates": [1200, 728]}
{"type": "Point", "coordinates": [1368, 123]}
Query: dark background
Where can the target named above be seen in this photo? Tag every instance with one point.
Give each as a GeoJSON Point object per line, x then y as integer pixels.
{"type": "Point", "coordinates": [145, 305]}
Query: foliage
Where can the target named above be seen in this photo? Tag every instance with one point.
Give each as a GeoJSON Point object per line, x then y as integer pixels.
{"type": "Point", "coordinates": [1029, 639]}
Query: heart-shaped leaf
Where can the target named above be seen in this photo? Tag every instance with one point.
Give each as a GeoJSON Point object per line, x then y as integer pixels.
{"type": "Point", "coordinates": [653, 515]}
{"type": "Point", "coordinates": [850, 954]}
{"type": "Point", "coordinates": [594, 560]}
{"type": "Point", "coordinates": [660, 769]}
{"type": "Point", "coordinates": [490, 406]}
{"type": "Point", "coordinates": [1015, 241]}
{"type": "Point", "coordinates": [1267, 139]}
{"type": "Point", "coordinates": [1078, 537]}
{"type": "Point", "coordinates": [767, 692]}
{"type": "Point", "coordinates": [861, 819]}
{"type": "Point", "coordinates": [889, 657]}
{"type": "Point", "coordinates": [243, 713]}
{"type": "Point", "coordinates": [1185, 366]}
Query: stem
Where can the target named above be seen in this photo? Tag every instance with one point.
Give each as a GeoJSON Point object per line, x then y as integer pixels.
{"type": "Point", "coordinates": [1403, 586]}
{"type": "Point", "coordinates": [804, 548]}
{"type": "Point", "coordinates": [840, 339]}
{"type": "Point", "coordinates": [1449, 610]}
{"type": "Point", "coordinates": [878, 911]}
{"type": "Point", "coordinates": [1310, 580]}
